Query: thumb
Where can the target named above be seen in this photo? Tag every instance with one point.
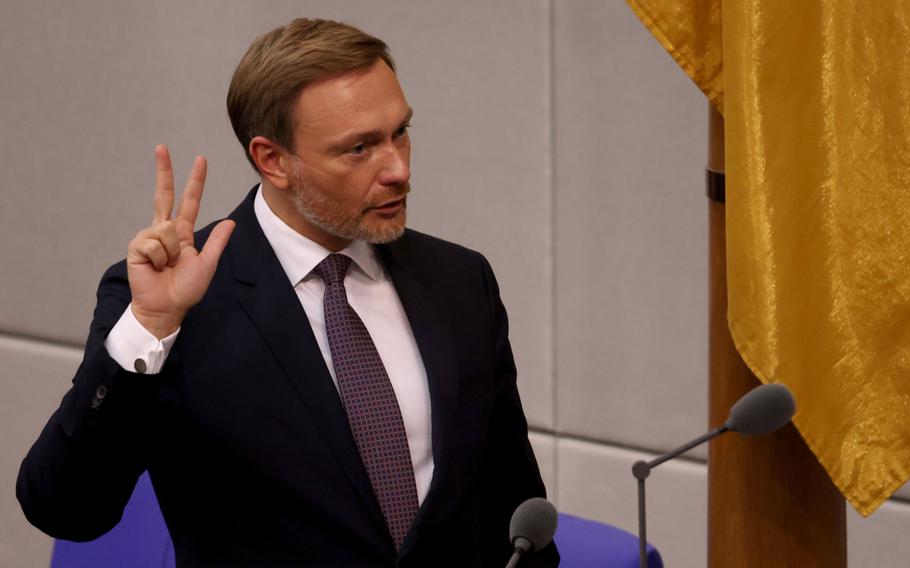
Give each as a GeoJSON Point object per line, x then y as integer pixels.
{"type": "Point", "coordinates": [218, 239]}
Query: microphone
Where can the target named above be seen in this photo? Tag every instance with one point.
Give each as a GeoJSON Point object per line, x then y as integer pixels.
{"type": "Point", "coordinates": [760, 411]}
{"type": "Point", "coordinates": [532, 527]}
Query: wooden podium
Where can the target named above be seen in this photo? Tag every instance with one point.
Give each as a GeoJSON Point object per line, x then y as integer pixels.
{"type": "Point", "coordinates": [770, 503]}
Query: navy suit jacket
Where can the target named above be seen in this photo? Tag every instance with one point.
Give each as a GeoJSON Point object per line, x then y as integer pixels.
{"type": "Point", "coordinates": [245, 438]}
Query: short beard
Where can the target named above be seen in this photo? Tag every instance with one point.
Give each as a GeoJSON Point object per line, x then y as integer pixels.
{"type": "Point", "coordinates": [328, 216]}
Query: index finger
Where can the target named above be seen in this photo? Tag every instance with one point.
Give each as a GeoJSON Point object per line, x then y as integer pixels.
{"type": "Point", "coordinates": [164, 185]}
{"type": "Point", "coordinates": [192, 193]}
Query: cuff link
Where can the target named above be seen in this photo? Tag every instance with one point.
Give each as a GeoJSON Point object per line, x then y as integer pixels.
{"type": "Point", "coordinates": [99, 396]}
{"type": "Point", "coordinates": [140, 366]}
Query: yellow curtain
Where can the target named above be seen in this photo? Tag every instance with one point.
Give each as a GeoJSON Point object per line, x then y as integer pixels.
{"type": "Point", "coordinates": [816, 102]}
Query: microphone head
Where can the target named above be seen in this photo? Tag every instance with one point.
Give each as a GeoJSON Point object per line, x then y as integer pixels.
{"type": "Point", "coordinates": [762, 410]}
{"type": "Point", "coordinates": [535, 521]}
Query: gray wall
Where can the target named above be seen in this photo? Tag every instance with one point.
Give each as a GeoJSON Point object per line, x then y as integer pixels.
{"type": "Point", "coordinates": [556, 137]}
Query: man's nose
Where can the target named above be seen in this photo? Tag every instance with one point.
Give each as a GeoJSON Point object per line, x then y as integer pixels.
{"type": "Point", "coordinates": [396, 167]}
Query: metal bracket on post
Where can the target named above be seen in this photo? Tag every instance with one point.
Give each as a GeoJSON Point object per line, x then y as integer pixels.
{"type": "Point", "coordinates": [716, 185]}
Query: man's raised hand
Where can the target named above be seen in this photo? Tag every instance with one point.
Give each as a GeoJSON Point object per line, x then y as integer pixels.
{"type": "Point", "coordinates": [167, 274]}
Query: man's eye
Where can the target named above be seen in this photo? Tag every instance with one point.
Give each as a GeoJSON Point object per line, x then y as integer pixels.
{"type": "Point", "coordinates": [402, 131]}
{"type": "Point", "coordinates": [358, 149]}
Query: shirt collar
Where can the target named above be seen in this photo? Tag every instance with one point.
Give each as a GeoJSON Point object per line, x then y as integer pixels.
{"type": "Point", "coordinates": [299, 255]}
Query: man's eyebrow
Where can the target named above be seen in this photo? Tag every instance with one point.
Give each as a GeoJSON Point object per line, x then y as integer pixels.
{"type": "Point", "coordinates": [348, 140]}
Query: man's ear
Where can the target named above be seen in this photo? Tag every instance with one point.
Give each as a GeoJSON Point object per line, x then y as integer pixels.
{"type": "Point", "coordinates": [271, 160]}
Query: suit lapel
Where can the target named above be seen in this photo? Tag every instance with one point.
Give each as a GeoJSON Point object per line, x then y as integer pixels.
{"type": "Point", "coordinates": [429, 321]}
{"type": "Point", "coordinates": [270, 301]}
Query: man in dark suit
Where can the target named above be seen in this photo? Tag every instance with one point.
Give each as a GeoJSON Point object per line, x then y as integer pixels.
{"type": "Point", "coordinates": [307, 382]}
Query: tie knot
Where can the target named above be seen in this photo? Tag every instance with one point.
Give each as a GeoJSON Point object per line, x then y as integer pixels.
{"type": "Point", "coordinates": [333, 268]}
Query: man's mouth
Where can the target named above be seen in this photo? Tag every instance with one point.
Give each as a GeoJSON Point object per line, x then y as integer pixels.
{"type": "Point", "coordinates": [391, 206]}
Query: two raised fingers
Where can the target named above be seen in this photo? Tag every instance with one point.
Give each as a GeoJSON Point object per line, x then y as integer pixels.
{"type": "Point", "coordinates": [159, 245]}
{"type": "Point", "coordinates": [164, 188]}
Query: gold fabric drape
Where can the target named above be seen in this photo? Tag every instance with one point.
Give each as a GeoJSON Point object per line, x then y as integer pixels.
{"type": "Point", "coordinates": [816, 102]}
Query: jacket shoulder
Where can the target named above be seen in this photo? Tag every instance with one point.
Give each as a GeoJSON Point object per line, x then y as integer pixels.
{"type": "Point", "coordinates": [430, 247]}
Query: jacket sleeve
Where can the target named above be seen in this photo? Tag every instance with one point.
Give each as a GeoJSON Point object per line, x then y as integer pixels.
{"type": "Point", "coordinates": [78, 476]}
{"type": "Point", "coordinates": [511, 474]}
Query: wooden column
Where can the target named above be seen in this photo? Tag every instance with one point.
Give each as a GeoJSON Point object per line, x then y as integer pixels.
{"type": "Point", "coordinates": [770, 503]}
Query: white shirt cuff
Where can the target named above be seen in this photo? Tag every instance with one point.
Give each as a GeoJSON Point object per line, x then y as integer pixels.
{"type": "Point", "coordinates": [134, 348]}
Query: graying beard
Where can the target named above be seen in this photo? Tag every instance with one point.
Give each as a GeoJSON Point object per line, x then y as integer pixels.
{"type": "Point", "coordinates": [350, 233]}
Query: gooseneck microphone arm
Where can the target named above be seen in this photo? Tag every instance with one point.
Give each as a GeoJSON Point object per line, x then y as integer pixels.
{"type": "Point", "coordinates": [516, 556]}
{"type": "Point", "coordinates": [641, 469]}
{"type": "Point", "coordinates": [642, 523]}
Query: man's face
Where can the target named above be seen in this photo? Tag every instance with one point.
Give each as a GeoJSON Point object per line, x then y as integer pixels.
{"type": "Point", "coordinates": [350, 176]}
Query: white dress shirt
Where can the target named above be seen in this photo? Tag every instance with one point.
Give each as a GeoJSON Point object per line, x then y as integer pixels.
{"type": "Point", "coordinates": [372, 295]}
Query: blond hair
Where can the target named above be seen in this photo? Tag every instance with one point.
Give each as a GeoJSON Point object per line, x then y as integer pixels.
{"type": "Point", "coordinates": [279, 64]}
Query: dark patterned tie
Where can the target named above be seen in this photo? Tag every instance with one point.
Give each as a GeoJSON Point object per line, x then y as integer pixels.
{"type": "Point", "coordinates": [370, 402]}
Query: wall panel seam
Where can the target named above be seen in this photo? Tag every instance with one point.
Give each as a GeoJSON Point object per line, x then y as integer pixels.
{"type": "Point", "coordinates": [607, 444]}
{"type": "Point", "coordinates": [33, 340]}
{"type": "Point", "coordinates": [604, 444]}
{"type": "Point", "coordinates": [551, 126]}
